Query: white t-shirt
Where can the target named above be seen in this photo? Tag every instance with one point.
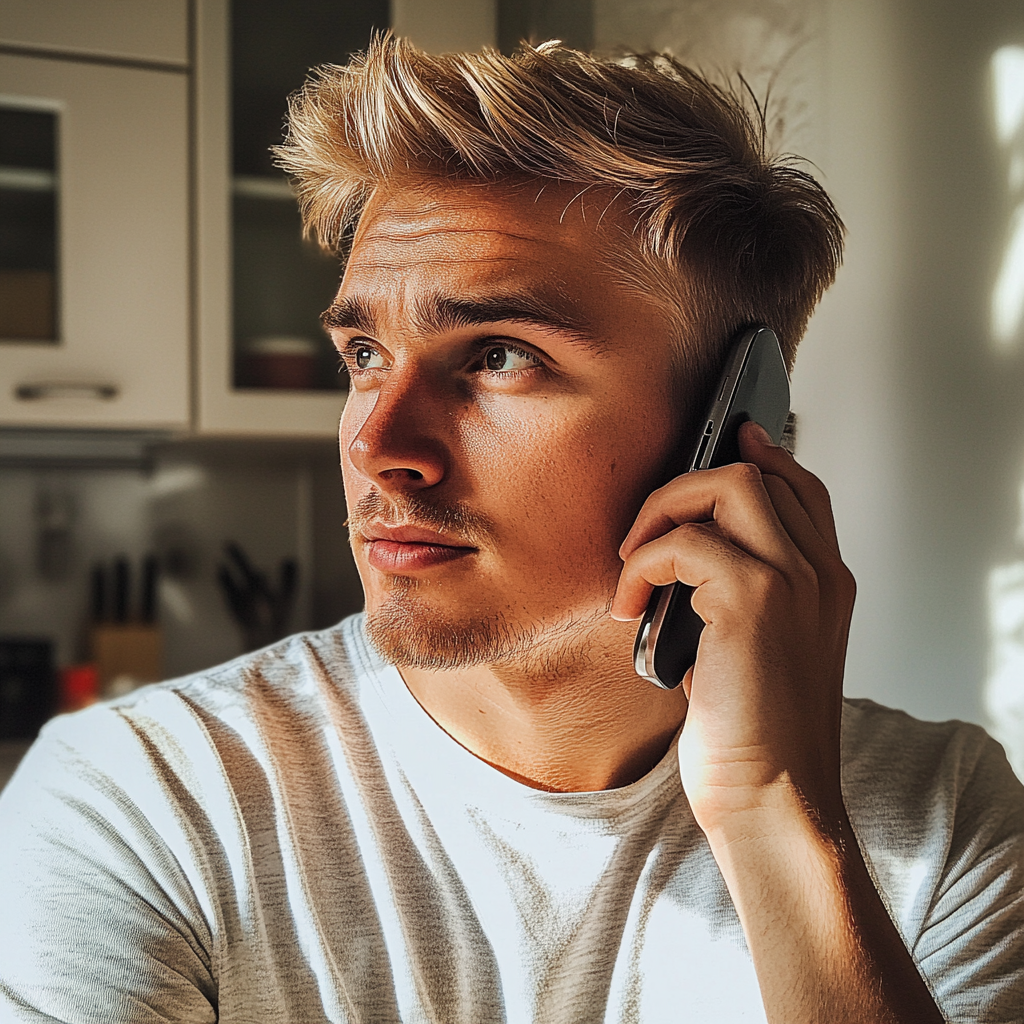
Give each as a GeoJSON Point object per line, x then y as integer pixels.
{"type": "Point", "coordinates": [291, 838]}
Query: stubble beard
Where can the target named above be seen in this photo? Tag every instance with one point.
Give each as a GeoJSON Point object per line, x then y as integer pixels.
{"type": "Point", "coordinates": [405, 631]}
{"type": "Point", "coordinates": [410, 631]}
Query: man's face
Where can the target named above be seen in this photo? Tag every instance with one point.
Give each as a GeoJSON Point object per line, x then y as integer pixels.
{"type": "Point", "coordinates": [510, 409]}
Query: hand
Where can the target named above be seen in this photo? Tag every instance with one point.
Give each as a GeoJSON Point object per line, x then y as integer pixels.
{"type": "Point", "coordinates": [758, 541]}
{"type": "Point", "coordinates": [759, 751]}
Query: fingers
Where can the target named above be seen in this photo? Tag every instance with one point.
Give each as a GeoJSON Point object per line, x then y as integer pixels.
{"type": "Point", "coordinates": [835, 581]}
{"type": "Point", "coordinates": [699, 555]}
{"type": "Point", "coordinates": [691, 553]}
{"type": "Point", "coordinates": [756, 446]}
{"type": "Point", "coordinates": [803, 505]}
{"type": "Point", "coordinates": [770, 510]}
{"type": "Point", "coordinates": [733, 497]}
{"type": "Point", "coordinates": [796, 522]}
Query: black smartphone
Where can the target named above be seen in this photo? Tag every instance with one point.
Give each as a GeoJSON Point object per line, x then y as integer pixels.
{"type": "Point", "coordinates": [754, 386]}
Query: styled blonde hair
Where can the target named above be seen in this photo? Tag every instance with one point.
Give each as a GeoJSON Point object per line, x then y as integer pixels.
{"type": "Point", "coordinates": [725, 233]}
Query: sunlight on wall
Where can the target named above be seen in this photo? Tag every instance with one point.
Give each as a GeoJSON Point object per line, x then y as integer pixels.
{"type": "Point", "coordinates": [1004, 690]}
{"type": "Point", "coordinates": [1008, 102]}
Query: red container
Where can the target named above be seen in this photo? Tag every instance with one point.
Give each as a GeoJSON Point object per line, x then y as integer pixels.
{"type": "Point", "coordinates": [281, 362]}
{"type": "Point", "coordinates": [79, 686]}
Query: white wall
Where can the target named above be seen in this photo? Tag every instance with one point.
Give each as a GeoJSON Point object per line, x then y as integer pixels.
{"type": "Point", "coordinates": [907, 412]}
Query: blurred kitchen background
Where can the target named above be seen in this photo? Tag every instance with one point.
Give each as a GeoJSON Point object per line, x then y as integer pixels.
{"type": "Point", "coordinates": [169, 492]}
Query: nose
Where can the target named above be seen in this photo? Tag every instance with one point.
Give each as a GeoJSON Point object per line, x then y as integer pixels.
{"type": "Point", "coordinates": [392, 437]}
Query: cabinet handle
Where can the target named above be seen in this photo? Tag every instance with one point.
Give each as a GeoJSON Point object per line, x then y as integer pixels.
{"type": "Point", "coordinates": [66, 389]}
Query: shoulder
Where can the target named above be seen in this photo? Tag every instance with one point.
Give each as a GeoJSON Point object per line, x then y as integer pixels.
{"type": "Point", "coordinates": [911, 784]}
{"type": "Point", "coordinates": [133, 830]}
{"type": "Point", "coordinates": [887, 750]}
{"type": "Point", "coordinates": [180, 776]}
{"type": "Point", "coordinates": [939, 815]}
{"type": "Point", "coordinates": [213, 725]}
{"type": "Point", "coordinates": [914, 775]}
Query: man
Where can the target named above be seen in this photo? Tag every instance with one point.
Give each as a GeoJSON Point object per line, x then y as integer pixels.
{"type": "Point", "coordinates": [467, 806]}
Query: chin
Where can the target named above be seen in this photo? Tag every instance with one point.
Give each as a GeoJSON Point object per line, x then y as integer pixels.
{"type": "Point", "coordinates": [407, 631]}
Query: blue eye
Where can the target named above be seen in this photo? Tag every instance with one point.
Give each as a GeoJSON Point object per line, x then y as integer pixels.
{"type": "Point", "coordinates": [506, 358]}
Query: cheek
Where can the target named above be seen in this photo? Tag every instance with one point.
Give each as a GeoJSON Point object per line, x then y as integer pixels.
{"type": "Point", "coordinates": [552, 479]}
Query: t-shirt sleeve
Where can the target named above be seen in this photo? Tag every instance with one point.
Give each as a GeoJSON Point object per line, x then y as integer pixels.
{"type": "Point", "coordinates": [98, 921]}
{"type": "Point", "coordinates": [971, 945]}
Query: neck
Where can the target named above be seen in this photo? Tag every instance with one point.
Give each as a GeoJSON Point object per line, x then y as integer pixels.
{"type": "Point", "coordinates": [590, 724]}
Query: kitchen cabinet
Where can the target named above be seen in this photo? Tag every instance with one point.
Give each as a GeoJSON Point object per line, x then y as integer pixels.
{"type": "Point", "coordinates": [116, 353]}
{"type": "Point", "coordinates": [258, 290]}
{"type": "Point", "coordinates": [167, 274]}
{"type": "Point", "coordinates": [150, 31]}
{"type": "Point", "coordinates": [264, 364]}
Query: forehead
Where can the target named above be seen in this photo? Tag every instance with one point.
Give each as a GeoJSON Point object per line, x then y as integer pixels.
{"type": "Point", "coordinates": [468, 235]}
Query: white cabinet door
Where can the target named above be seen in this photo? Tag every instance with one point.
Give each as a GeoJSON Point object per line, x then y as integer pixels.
{"type": "Point", "coordinates": [147, 30]}
{"type": "Point", "coordinates": [123, 351]}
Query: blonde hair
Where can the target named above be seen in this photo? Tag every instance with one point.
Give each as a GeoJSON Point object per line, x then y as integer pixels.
{"type": "Point", "coordinates": [725, 232]}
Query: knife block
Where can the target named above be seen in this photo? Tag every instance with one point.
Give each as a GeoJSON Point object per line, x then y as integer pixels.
{"type": "Point", "coordinates": [126, 655]}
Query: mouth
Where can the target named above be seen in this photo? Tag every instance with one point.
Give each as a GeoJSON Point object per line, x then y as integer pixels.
{"type": "Point", "coordinates": [405, 549]}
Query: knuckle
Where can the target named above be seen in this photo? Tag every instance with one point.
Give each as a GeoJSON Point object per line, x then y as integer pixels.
{"type": "Point", "coordinates": [815, 484]}
{"type": "Point", "coordinates": [818, 493]}
{"type": "Point", "coordinates": [789, 587]}
{"type": "Point", "coordinates": [766, 585]}
{"type": "Point", "coordinates": [744, 474]}
{"type": "Point", "coordinates": [663, 499]}
{"type": "Point", "coordinates": [688, 533]}
{"type": "Point", "coordinates": [804, 573]}
{"type": "Point", "coordinates": [749, 597]}
{"type": "Point", "coordinates": [846, 584]}
{"type": "Point", "coordinates": [822, 497]}
{"type": "Point", "coordinates": [658, 494]}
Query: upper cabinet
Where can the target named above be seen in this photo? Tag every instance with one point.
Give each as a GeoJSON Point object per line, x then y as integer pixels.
{"type": "Point", "coordinates": [153, 31]}
{"type": "Point", "coordinates": [265, 364]}
{"type": "Point", "coordinates": [94, 217]}
{"type": "Point", "coordinates": [152, 268]}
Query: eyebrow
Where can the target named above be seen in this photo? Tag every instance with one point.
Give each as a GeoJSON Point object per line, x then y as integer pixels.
{"type": "Point", "coordinates": [438, 314]}
{"type": "Point", "coordinates": [350, 314]}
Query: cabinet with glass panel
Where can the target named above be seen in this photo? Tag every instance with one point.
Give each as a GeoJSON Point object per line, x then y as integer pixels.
{"type": "Point", "coordinates": [266, 365]}
{"type": "Point", "coordinates": [135, 290]}
{"type": "Point", "coordinates": [28, 215]}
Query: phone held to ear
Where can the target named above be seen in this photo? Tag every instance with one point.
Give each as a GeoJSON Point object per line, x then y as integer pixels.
{"type": "Point", "coordinates": [754, 386]}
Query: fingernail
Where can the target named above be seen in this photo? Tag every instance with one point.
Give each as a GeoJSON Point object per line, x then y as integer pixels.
{"type": "Point", "coordinates": [615, 611]}
{"type": "Point", "coordinates": [761, 434]}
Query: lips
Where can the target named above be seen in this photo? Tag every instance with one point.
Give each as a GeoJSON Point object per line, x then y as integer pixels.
{"type": "Point", "coordinates": [404, 549]}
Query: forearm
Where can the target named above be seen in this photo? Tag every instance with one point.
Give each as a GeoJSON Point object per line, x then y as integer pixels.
{"type": "Point", "coordinates": [823, 945]}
